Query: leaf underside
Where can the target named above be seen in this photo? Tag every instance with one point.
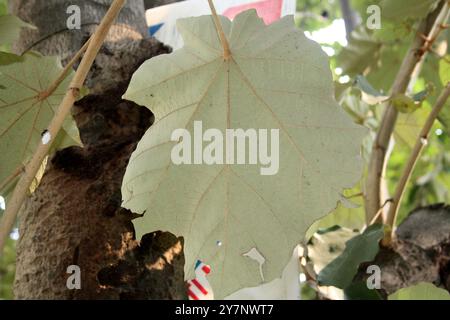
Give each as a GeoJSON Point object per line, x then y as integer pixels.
{"type": "Point", "coordinates": [23, 116]}
{"type": "Point", "coordinates": [275, 79]}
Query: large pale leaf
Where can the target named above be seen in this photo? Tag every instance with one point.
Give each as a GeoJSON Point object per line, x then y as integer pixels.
{"type": "Point", "coordinates": [23, 116]}
{"type": "Point", "coordinates": [276, 78]}
{"type": "Point", "coordinates": [420, 291]}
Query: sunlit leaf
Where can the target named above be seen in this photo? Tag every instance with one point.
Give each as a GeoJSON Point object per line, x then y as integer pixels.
{"type": "Point", "coordinates": [421, 291]}
{"type": "Point", "coordinates": [276, 79]}
{"type": "Point", "coordinates": [369, 94]}
{"type": "Point", "coordinates": [399, 10]}
{"type": "Point", "coordinates": [404, 104]}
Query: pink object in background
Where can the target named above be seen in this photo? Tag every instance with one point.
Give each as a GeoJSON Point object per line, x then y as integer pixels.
{"type": "Point", "coordinates": [268, 10]}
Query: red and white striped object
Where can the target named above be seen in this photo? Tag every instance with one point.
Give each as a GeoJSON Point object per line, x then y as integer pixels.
{"type": "Point", "coordinates": [199, 287]}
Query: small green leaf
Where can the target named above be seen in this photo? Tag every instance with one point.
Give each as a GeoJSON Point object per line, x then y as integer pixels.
{"type": "Point", "coordinates": [404, 104]}
{"type": "Point", "coordinates": [364, 85]}
{"type": "Point", "coordinates": [23, 115]}
{"type": "Point", "coordinates": [369, 94]}
{"type": "Point", "coordinates": [444, 70]}
{"type": "Point", "coordinates": [3, 7]}
{"type": "Point", "coordinates": [361, 53]}
{"type": "Point", "coordinates": [10, 28]}
{"type": "Point", "coordinates": [421, 291]}
{"type": "Point", "coordinates": [422, 95]}
{"type": "Point", "coordinates": [362, 248]}
{"type": "Point", "coordinates": [360, 291]}
{"type": "Point", "coordinates": [444, 75]}
{"type": "Point", "coordinates": [409, 124]}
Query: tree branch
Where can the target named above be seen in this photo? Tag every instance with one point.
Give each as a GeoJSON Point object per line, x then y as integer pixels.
{"type": "Point", "coordinates": [350, 18]}
{"type": "Point", "coordinates": [431, 27]}
{"type": "Point", "coordinates": [49, 91]}
{"type": "Point", "coordinates": [418, 147]}
{"type": "Point", "coordinates": [71, 95]}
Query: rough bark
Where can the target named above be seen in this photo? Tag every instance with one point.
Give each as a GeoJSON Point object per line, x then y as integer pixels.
{"type": "Point", "coordinates": [420, 253]}
{"type": "Point", "coordinates": [75, 217]}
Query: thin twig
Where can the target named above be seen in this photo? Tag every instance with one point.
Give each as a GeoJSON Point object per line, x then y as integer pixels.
{"type": "Point", "coordinates": [51, 88]}
{"type": "Point", "coordinates": [70, 97]}
{"type": "Point", "coordinates": [356, 195]}
{"type": "Point", "coordinates": [431, 27]}
{"type": "Point", "coordinates": [222, 37]}
{"type": "Point", "coordinates": [421, 142]}
{"type": "Point", "coordinates": [380, 211]}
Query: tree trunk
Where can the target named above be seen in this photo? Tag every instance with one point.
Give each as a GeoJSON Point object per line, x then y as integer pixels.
{"type": "Point", "coordinates": [421, 252]}
{"type": "Point", "coordinates": [74, 217]}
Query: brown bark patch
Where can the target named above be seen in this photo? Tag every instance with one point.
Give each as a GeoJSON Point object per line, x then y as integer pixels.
{"type": "Point", "coordinates": [75, 215]}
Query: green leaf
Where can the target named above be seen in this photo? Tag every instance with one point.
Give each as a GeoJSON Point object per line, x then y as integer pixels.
{"type": "Point", "coordinates": [382, 74]}
{"type": "Point", "coordinates": [7, 269]}
{"type": "Point", "coordinates": [3, 7]}
{"type": "Point", "coordinates": [369, 94]}
{"type": "Point", "coordinates": [444, 70]}
{"type": "Point", "coordinates": [328, 244]}
{"type": "Point", "coordinates": [351, 217]}
{"type": "Point", "coordinates": [364, 247]}
{"type": "Point", "coordinates": [364, 85]}
{"type": "Point", "coordinates": [276, 79]}
{"type": "Point", "coordinates": [408, 125]}
{"type": "Point", "coordinates": [421, 291]}
{"type": "Point", "coordinates": [23, 116]}
{"type": "Point", "coordinates": [398, 10]}
{"type": "Point", "coordinates": [8, 58]}
{"type": "Point", "coordinates": [10, 28]}
{"type": "Point", "coordinates": [361, 53]}
{"type": "Point", "coordinates": [404, 104]}
{"type": "Point", "coordinates": [425, 93]}
{"type": "Point", "coordinates": [444, 75]}
{"type": "Point", "coordinates": [360, 291]}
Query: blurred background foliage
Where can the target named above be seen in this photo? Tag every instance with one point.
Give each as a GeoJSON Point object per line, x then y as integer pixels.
{"type": "Point", "coordinates": [375, 55]}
